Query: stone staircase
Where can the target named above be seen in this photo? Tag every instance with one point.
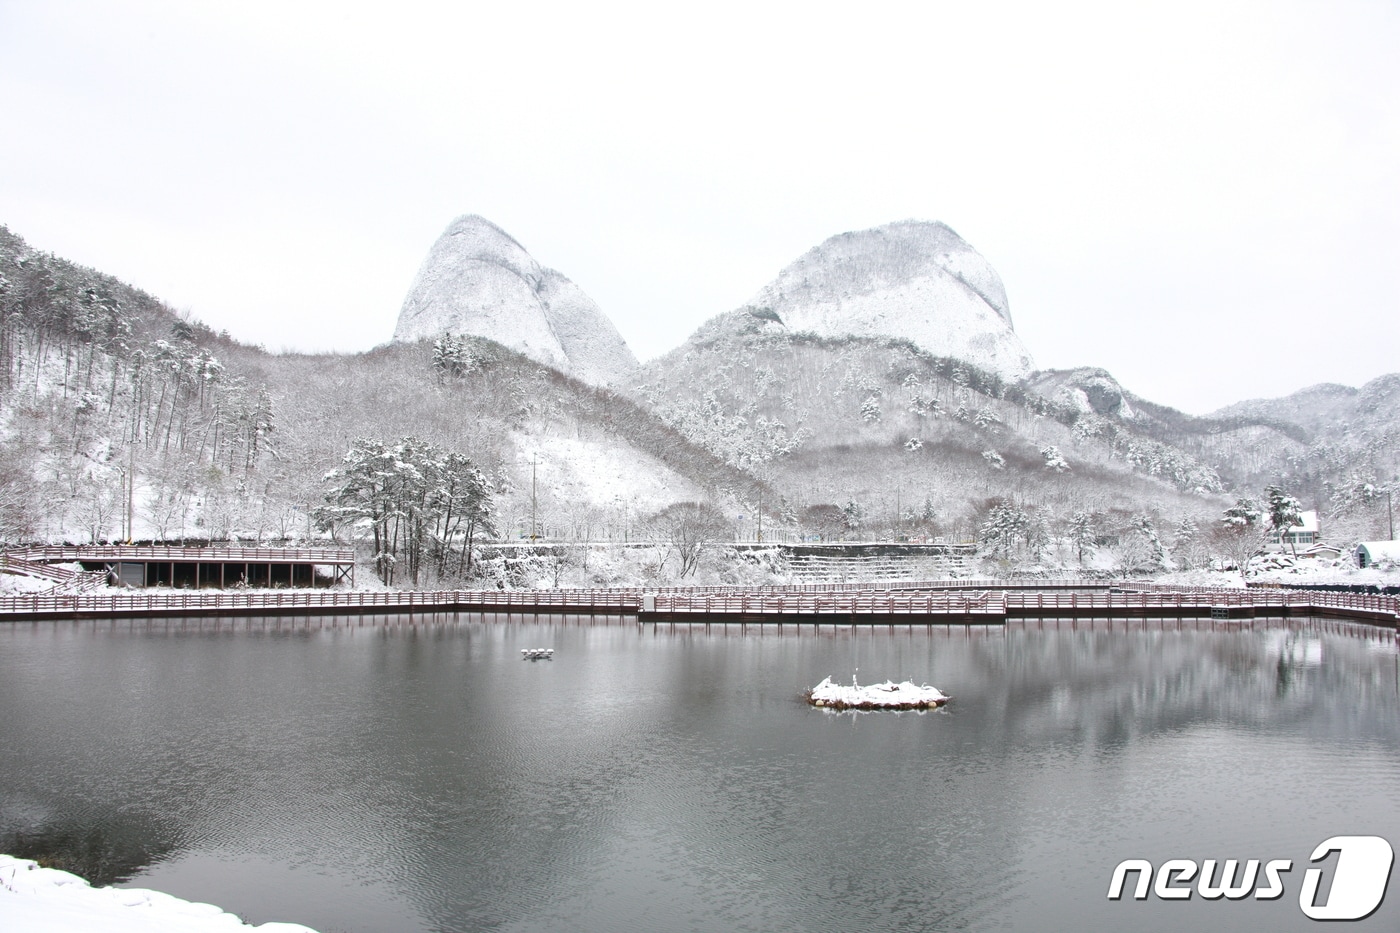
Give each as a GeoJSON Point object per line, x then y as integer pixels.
{"type": "Point", "coordinates": [852, 568]}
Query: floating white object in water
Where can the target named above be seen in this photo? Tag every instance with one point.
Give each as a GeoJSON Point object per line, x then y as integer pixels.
{"type": "Point", "coordinates": [888, 695]}
{"type": "Point", "coordinates": [535, 654]}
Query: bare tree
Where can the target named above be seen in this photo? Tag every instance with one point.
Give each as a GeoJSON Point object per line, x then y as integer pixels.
{"type": "Point", "coordinates": [826, 521]}
{"type": "Point", "coordinates": [689, 527]}
{"type": "Point", "coordinates": [1240, 534]}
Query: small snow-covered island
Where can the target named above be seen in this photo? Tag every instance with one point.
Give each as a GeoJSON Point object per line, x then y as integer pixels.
{"type": "Point", "coordinates": [888, 695]}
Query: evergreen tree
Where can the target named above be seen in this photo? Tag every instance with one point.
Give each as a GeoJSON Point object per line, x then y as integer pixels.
{"type": "Point", "coordinates": [1284, 512]}
{"type": "Point", "coordinates": [416, 499]}
{"type": "Point", "coordinates": [1183, 539]}
{"type": "Point", "coordinates": [1083, 532]}
{"type": "Point", "coordinates": [1004, 526]}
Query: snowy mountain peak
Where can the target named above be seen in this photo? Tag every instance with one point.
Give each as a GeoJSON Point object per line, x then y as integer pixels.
{"type": "Point", "coordinates": [478, 280]}
{"type": "Point", "coordinates": [474, 235]}
{"type": "Point", "coordinates": [915, 280]}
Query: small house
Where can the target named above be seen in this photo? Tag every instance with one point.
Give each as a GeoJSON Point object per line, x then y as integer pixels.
{"type": "Point", "coordinates": [1370, 553]}
{"type": "Point", "coordinates": [1306, 533]}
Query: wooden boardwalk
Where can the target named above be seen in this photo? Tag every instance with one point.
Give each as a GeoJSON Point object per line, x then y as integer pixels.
{"type": "Point", "coordinates": [334, 602]}
{"type": "Point", "coordinates": [996, 606]}
{"type": "Point", "coordinates": [983, 607]}
{"type": "Point", "coordinates": [942, 603]}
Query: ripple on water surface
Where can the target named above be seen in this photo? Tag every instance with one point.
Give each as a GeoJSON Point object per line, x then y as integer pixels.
{"type": "Point", "coordinates": [424, 777]}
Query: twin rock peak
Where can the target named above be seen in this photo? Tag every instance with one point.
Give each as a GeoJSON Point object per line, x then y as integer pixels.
{"type": "Point", "coordinates": [912, 280]}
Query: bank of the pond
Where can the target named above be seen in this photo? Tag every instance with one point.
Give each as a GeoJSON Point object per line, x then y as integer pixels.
{"type": "Point", "coordinates": [46, 900]}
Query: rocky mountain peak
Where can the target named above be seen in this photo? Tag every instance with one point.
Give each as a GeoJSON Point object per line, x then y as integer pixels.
{"type": "Point", "coordinates": [915, 280]}
{"type": "Point", "coordinates": [1087, 389]}
{"type": "Point", "coordinates": [474, 235]}
{"type": "Point", "coordinates": [478, 280]}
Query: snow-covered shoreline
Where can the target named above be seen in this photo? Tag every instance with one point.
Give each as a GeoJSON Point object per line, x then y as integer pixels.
{"type": "Point", "coordinates": [888, 695]}
{"type": "Point", "coordinates": [46, 900]}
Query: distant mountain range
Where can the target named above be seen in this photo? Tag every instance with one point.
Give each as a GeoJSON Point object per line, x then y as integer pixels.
{"type": "Point", "coordinates": [877, 377]}
{"type": "Point", "coordinates": [918, 290]}
{"type": "Point", "coordinates": [913, 281]}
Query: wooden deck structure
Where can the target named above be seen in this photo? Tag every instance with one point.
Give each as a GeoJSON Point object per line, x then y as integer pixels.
{"type": "Point", "coordinates": [201, 567]}
{"type": "Point", "coordinates": [988, 603]}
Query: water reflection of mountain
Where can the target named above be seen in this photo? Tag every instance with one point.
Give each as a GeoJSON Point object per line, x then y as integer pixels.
{"type": "Point", "coordinates": [644, 774]}
{"type": "Point", "coordinates": [107, 851]}
{"type": "Point", "coordinates": [1109, 687]}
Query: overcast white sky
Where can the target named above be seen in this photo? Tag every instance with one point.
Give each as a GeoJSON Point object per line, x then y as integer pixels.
{"type": "Point", "coordinates": [1203, 198]}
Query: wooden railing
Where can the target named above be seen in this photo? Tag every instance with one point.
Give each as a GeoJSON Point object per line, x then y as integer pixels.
{"type": "Point", "coordinates": [931, 602]}
{"type": "Point", "coordinates": [63, 579]}
{"type": "Point", "coordinates": [208, 602]}
{"type": "Point", "coordinates": [927, 603]}
{"type": "Point", "coordinates": [1233, 596]}
{"type": "Point", "coordinates": [880, 586]}
{"type": "Point", "coordinates": [10, 563]}
{"type": "Point", "coordinates": [1202, 598]}
{"type": "Point", "coordinates": [1009, 602]}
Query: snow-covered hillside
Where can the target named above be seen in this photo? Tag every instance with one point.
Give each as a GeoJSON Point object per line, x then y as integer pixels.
{"type": "Point", "coordinates": [479, 281]}
{"type": "Point", "coordinates": [121, 419]}
{"type": "Point", "coordinates": [1327, 409]}
{"type": "Point", "coordinates": [911, 280]}
{"type": "Point", "coordinates": [904, 442]}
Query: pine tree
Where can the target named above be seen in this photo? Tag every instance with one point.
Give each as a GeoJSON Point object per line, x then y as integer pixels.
{"type": "Point", "coordinates": [1083, 532]}
{"type": "Point", "coordinates": [1285, 511]}
{"type": "Point", "coordinates": [417, 499]}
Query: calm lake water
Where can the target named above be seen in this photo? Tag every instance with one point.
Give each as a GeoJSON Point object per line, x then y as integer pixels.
{"type": "Point", "coordinates": [368, 775]}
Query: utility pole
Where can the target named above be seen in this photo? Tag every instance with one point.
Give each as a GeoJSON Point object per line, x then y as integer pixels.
{"type": "Point", "coordinates": [534, 526]}
{"type": "Point", "coordinates": [898, 518]}
{"type": "Point", "coordinates": [130, 488]}
{"type": "Point", "coordinates": [760, 514]}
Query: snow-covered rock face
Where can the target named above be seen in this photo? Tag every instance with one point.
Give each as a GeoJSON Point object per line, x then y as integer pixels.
{"type": "Point", "coordinates": [913, 280]}
{"type": "Point", "coordinates": [477, 280]}
{"type": "Point", "coordinates": [1089, 390]}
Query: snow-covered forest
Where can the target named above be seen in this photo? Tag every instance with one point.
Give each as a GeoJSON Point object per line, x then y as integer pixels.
{"type": "Point", "coordinates": [109, 400]}
{"type": "Point", "coordinates": [907, 444]}
{"type": "Point", "coordinates": [122, 419]}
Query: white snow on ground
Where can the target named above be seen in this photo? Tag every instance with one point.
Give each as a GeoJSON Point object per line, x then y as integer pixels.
{"type": "Point", "coordinates": [599, 473]}
{"type": "Point", "coordinates": [1283, 569]}
{"type": "Point", "coordinates": [46, 900]}
{"type": "Point", "coordinates": [15, 584]}
{"type": "Point", "coordinates": [889, 693]}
